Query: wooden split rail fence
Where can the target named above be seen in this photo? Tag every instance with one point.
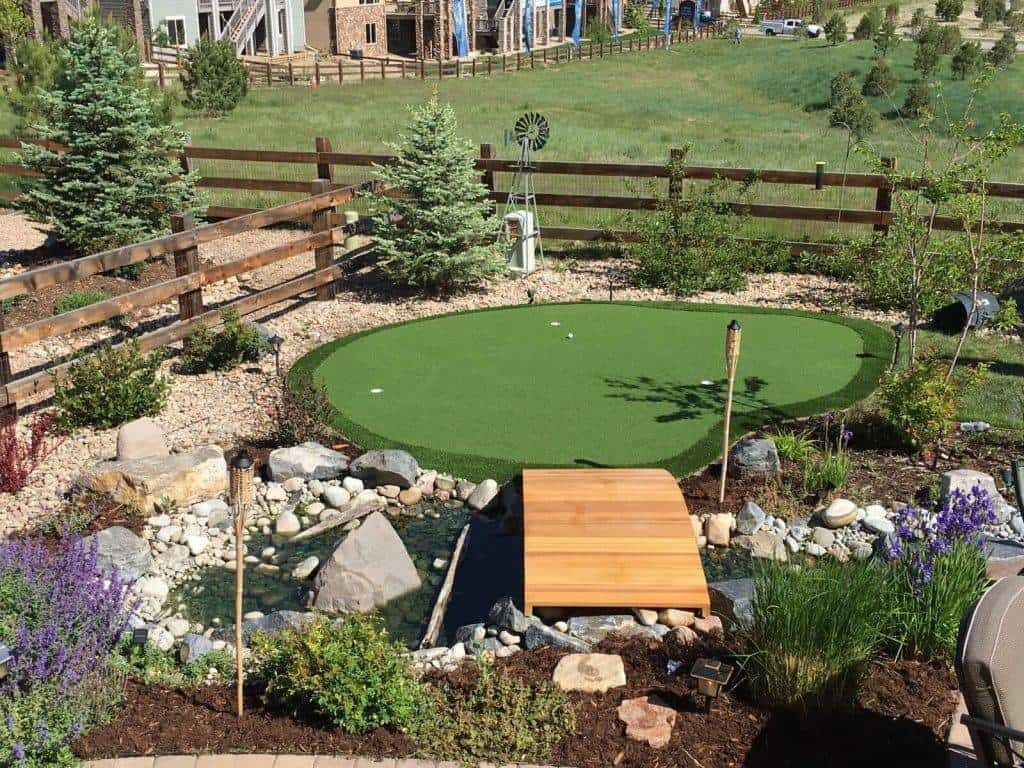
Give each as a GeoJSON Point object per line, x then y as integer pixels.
{"type": "Point", "coordinates": [345, 69]}
{"type": "Point", "coordinates": [191, 277]}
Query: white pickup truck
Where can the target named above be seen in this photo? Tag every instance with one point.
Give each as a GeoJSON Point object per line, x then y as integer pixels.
{"type": "Point", "coordinates": [789, 27]}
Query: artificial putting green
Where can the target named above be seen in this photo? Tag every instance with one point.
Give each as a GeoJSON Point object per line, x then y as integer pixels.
{"type": "Point", "coordinates": [487, 393]}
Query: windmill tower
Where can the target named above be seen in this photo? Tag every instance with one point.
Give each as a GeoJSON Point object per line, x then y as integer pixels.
{"type": "Point", "coordinates": [521, 224]}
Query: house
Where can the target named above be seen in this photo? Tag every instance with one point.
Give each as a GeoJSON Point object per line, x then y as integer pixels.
{"type": "Point", "coordinates": [52, 16]}
{"type": "Point", "coordinates": [426, 29]}
{"type": "Point", "coordinates": [275, 27]}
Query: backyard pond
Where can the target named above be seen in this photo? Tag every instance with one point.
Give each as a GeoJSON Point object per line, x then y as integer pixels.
{"type": "Point", "coordinates": [490, 567]}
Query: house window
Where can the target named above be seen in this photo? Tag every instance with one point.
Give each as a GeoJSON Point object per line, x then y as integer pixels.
{"type": "Point", "coordinates": [371, 34]}
{"type": "Point", "coordinates": [368, 2]}
{"type": "Point", "coordinates": [280, 22]}
{"type": "Point", "coordinates": [176, 30]}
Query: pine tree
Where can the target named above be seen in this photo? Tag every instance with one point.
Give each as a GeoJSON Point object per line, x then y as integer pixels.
{"type": "Point", "coordinates": [116, 183]}
{"type": "Point", "coordinates": [918, 101]}
{"type": "Point", "coordinates": [213, 78]}
{"type": "Point", "coordinates": [440, 234]}
{"type": "Point", "coordinates": [1002, 52]}
{"type": "Point", "coordinates": [880, 79]}
{"type": "Point", "coordinates": [886, 38]}
{"type": "Point", "coordinates": [868, 24]}
{"type": "Point", "coordinates": [967, 60]}
{"type": "Point", "coordinates": [927, 57]}
{"type": "Point", "coordinates": [949, 10]}
{"type": "Point", "coordinates": [835, 29]}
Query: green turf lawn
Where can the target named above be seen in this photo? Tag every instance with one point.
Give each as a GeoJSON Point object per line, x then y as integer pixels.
{"type": "Point", "coordinates": [486, 393]}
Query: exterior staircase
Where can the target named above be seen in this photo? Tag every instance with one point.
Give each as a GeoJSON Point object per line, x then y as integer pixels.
{"type": "Point", "coordinates": [242, 23]}
{"type": "Point", "coordinates": [507, 26]}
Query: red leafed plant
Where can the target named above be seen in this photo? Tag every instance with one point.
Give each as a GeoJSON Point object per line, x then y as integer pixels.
{"type": "Point", "coordinates": [20, 455]}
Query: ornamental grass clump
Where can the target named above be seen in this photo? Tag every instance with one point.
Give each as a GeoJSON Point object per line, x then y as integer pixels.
{"type": "Point", "coordinates": [938, 572]}
{"type": "Point", "coordinates": [62, 617]}
{"type": "Point", "coordinates": [815, 631]}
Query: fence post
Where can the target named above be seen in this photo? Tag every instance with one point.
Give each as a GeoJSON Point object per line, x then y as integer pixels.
{"type": "Point", "coordinates": [341, 71]}
{"type": "Point", "coordinates": [503, 63]}
{"type": "Point", "coordinates": [487, 153]}
{"type": "Point", "coordinates": [186, 261]}
{"type": "Point", "coordinates": [160, 74]}
{"type": "Point", "coordinates": [403, 69]}
{"type": "Point", "coordinates": [291, 74]}
{"type": "Point", "coordinates": [9, 412]}
{"type": "Point", "coordinates": [383, 70]}
{"type": "Point", "coordinates": [440, 70]}
{"type": "Point", "coordinates": [362, 70]}
{"type": "Point", "coordinates": [533, 60]}
{"type": "Point", "coordinates": [324, 255]}
{"type": "Point", "coordinates": [490, 62]}
{"type": "Point", "coordinates": [883, 198]}
{"type": "Point", "coordinates": [316, 72]}
{"type": "Point", "coordinates": [423, 69]}
{"type": "Point", "coordinates": [270, 74]}
{"type": "Point", "coordinates": [473, 68]}
{"type": "Point", "coordinates": [675, 183]}
{"type": "Point", "coordinates": [324, 169]}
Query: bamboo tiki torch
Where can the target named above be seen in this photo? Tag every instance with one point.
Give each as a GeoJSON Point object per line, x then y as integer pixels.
{"type": "Point", "coordinates": [241, 496]}
{"type": "Point", "coordinates": [732, 356]}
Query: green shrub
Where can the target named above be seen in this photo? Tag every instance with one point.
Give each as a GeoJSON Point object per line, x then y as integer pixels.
{"type": "Point", "coordinates": [213, 78]}
{"type": "Point", "coordinates": [498, 719]}
{"type": "Point", "coordinates": [835, 29]}
{"type": "Point", "coordinates": [235, 343]}
{"type": "Point", "coordinates": [918, 20]}
{"type": "Point", "coordinates": [949, 10]}
{"type": "Point", "coordinates": [967, 60]}
{"type": "Point", "coordinates": [920, 403]}
{"type": "Point", "coordinates": [689, 244]}
{"type": "Point", "coordinates": [990, 11]}
{"type": "Point", "coordinates": [597, 31]}
{"type": "Point", "coordinates": [1007, 319]}
{"type": "Point", "coordinates": [1003, 51]}
{"type": "Point", "coordinates": [927, 57]}
{"type": "Point", "coordinates": [815, 630]}
{"type": "Point", "coordinates": [868, 24]}
{"type": "Point", "coordinates": [113, 386]}
{"type": "Point", "coordinates": [77, 300]}
{"type": "Point", "coordinates": [198, 670]}
{"type": "Point", "coordinates": [886, 38]}
{"type": "Point", "coordinates": [635, 17]}
{"type": "Point", "coordinates": [892, 10]}
{"type": "Point", "coordinates": [347, 674]}
{"type": "Point", "coordinates": [918, 101]}
{"type": "Point", "coordinates": [302, 413]}
{"type": "Point", "coordinates": [949, 39]}
{"type": "Point", "coordinates": [148, 664]}
{"type": "Point", "coordinates": [926, 614]}
{"type": "Point", "coordinates": [34, 65]}
{"type": "Point", "coordinates": [880, 79]}
{"type": "Point", "coordinates": [852, 112]}
{"type": "Point", "coordinates": [794, 446]}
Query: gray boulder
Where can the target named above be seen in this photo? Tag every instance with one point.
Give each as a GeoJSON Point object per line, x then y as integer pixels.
{"type": "Point", "coordinates": [194, 647]}
{"type": "Point", "coordinates": [307, 461]}
{"type": "Point", "coordinates": [368, 569]}
{"type": "Point", "coordinates": [733, 600]}
{"type": "Point", "coordinates": [272, 622]}
{"type": "Point", "coordinates": [594, 629]}
{"type": "Point", "coordinates": [538, 635]}
{"type": "Point", "coordinates": [389, 467]}
{"type": "Point", "coordinates": [966, 479]}
{"type": "Point", "coordinates": [469, 633]}
{"type": "Point", "coordinates": [750, 518]}
{"type": "Point", "coordinates": [754, 457]}
{"type": "Point", "coordinates": [121, 550]}
{"type": "Point", "coordinates": [141, 439]}
{"type": "Point", "coordinates": [505, 615]}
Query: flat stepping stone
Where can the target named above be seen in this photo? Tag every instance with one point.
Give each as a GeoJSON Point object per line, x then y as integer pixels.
{"type": "Point", "coordinates": [589, 672]}
{"type": "Point", "coordinates": [648, 719]}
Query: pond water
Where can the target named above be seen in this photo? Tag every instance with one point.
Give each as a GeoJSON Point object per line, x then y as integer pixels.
{"type": "Point", "coordinates": [491, 567]}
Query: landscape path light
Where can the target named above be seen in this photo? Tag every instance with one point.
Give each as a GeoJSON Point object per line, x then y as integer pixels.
{"type": "Point", "coordinates": [732, 356]}
{"type": "Point", "coordinates": [1013, 479]}
{"type": "Point", "coordinates": [276, 342]}
{"type": "Point", "coordinates": [711, 675]}
{"type": "Point", "coordinates": [240, 477]}
{"type": "Point", "coordinates": [140, 636]}
{"type": "Point", "coordinates": [898, 330]}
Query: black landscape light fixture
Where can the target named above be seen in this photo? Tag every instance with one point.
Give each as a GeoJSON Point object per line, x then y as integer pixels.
{"type": "Point", "coordinates": [611, 277]}
{"type": "Point", "coordinates": [531, 295]}
{"type": "Point", "coordinates": [711, 676]}
{"type": "Point", "coordinates": [140, 636]}
{"type": "Point", "coordinates": [1013, 479]}
{"type": "Point", "coordinates": [276, 342]}
{"type": "Point", "coordinates": [898, 330]}
{"type": "Point", "coordinates": [5, 660]}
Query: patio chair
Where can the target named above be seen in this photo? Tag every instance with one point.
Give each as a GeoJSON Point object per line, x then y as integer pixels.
{"type": "Point", "coordinates": [990, 650]}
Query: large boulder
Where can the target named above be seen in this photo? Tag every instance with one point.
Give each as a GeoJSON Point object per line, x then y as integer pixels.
{"type": "Point", "coordinates": [182, 477]}
{"type": "Point", "coordinates": [141, 439]}
{"type": "Point", "coordinates": [734, 601]}
{"type": "Point", "coordinates": [369, 568]}
{"type": "Point", "coordinates": [505, 615]}
{"type": "Point", "coordinates": [754, 457]}
{"type": "Point", "coordinates": [309, 461]}
{"type": "Point", "coordinates": [389, 467]}
{"type": "Point", "coordinates": [537, 635]}
{"type": "Point", "coordinates": [121, 550]}
{"type": "Point", "coordinates": [964, 480]}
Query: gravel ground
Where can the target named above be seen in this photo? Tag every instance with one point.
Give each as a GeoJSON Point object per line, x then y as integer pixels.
{"type": "Point", "coordinates": [220, 407]}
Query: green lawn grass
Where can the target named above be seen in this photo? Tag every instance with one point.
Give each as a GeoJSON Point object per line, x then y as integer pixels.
{"type": "Point", "coordinates": [486, 393]}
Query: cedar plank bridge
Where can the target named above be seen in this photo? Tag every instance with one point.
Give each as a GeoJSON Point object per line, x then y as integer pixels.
{"type": "Point", "coordinates": [331, 230]}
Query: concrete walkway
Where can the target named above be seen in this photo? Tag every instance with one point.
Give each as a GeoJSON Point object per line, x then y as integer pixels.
{"type": "Point", "coordinates": [278, 761]}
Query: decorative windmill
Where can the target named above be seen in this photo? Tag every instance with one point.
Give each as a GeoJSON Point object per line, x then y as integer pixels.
{"type": "Point", "coordinates": [522, 225]}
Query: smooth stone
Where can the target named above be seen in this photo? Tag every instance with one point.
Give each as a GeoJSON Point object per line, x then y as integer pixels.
{"type": "Point", "coordinates": [646, 616]}
{"type": "Point", "coordinates": [750, 518]}
{"type": "Point", "coordinates": [766, 545]}
{"type": "Point", "coordinates": [410, 496]}
{"type": "Point", "coordinates": [464, 489]}
{"type": "Point", "coordinates": [152, 586]}
{"type": "Point", "coordinates": [839, 513]}
{"type": "Point", "coordinates": [305, 569]}
{"type": "Point", "coordinates": [425, 482]}
{"type": "Point", "coordinates": [160, 639]}
{"type": "Point", "coordinates": [674, 617]}
{"type": "Point", "coordinates": [195, 646]}
{"type": "Point", "coordinates": [470, 632]}
{"type": "Point", "coordinates": [482, 495]}
{"type": "Point", "coordinates": [875, 510]}
{"type": "Point", "coordinates": [316, 488]}
{"type": "Point", "coordinates": [708, 625]}
{"type": "Point", "coordinates": [507, 638]}
{"type": "Point", "coordinates": [159, 521]}
{"type": "Point", "coordinates": [385, 467]}
{"type": "Point", "coordinates": [389, 491]}
{"type": "Point", "coordinates": [589, 672]}
{"type": "Point", "coordinates": [307, 461]}
{"type": "Point", "coordinates": [685, 635]}
{"type": "Point", "coordinates": [823, 537]}
{"type": "Point", "coordinates": [338, 496]}
{"type": "Point", "coordinates": [881, 525]}
{"type": "Point", "coordinates": [287, 524]}
{"type": "Point", "coordinates": [197, 544]}
{"type": "Point", "coordinates": [717, 529]}
{"type": "Point", "coordinates": [177, 626]}
{"type": "Point", "coordinates": [353, 485]}
{"type": "Point", "coordinates": [445, 483]}
{"type": "Point", "coordinates": [141, 439]}
{"type": "Point", "coordinates": [293, 484]}
{"type": "Point", "coordinates": [648, 719]}
{"type": "Point", "coordinates": [815, 550]}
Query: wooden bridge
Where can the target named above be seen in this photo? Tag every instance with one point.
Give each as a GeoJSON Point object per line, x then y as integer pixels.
{"type": "Point", "coordinates": [609, 538]}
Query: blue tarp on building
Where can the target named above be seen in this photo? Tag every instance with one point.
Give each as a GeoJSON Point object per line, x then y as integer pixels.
{"type": "Point", "coordinates": [459, 26]}
{"type": "Point", "coordinates": [577, 26]}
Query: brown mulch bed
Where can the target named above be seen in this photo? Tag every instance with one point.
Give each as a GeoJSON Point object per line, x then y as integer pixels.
{"type": "Point", "coordinates": [902, 718]}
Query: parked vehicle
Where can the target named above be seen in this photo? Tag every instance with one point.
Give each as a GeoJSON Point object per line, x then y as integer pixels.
{"type": "Point", "coordinates": [785, 27]}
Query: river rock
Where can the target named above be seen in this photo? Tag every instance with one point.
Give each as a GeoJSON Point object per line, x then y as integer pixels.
{"type": "Point", "coordinates": [708, 625]}
{"type": "Point", "coordinates": [646, 616]}
{"type": "Point", "coordinates": [152, 586]}
{"type": "Point", "coordinates": [717, 529]}
{"type": "Point", "coordinates": [878, 524]}
{"type": "Point", "coordinates": [765, 545]}
{"type": "Point", "coordinates": [410, 496]}
{"type": "Point", "coordinates": [141, 439]}
{"type": "Point", "coordinates": [196, 544]}
{"type": "Point", "coordinates": [754, 457]}
{"type": "Point", "coordinates": [121, 550]}
{"type": "Point", "coordinates": [385, 467]}
{"type": "Point", "coordinates": [183, 477]}
{"type": "Point", "coordinates": [648, 719]}
{"type": "Point", "coordinates": [839, 513]}
{"type": "Point", "coordinates": [305, 569]}
{"type": "Point", "coordinates": [272, 622]}
{"type": "Point", "coordinates": [673, 617]}
{"type": "Point", "coordinates": [287, 524]}
{"type": "Point", "coordinates": [594, 629]}
{"type": "Point", "coordinates": [353, 485]}
{"type": "Point", "coordinates": [589, 672]}
{"type": "Point", "coordinates": [823, 537]}
{"type": "Point", "coordinates": [338, 496]}
{"type": "Point", "coordinates": [482, 495]}
{"type": "Point", "coordinates": [505, 615]}
{"type": "Point", "coordinates": [368, 569]}
{"type": "Point", "coordinates": [306, 461]}
{"type": "Point", "coordinates": [750, 518]}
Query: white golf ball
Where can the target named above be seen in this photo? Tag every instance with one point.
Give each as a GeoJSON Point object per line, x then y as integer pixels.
{"type": "Point", "coordinates": [707, 383]}
{"type": "Point", "coordinates": [569, 335]}
{"type": "Point", "coordinates": [555, 323]}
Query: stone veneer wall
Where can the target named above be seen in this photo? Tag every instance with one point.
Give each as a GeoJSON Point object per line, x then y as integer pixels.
{"type": "Point", "coordinates": [351, 23]}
